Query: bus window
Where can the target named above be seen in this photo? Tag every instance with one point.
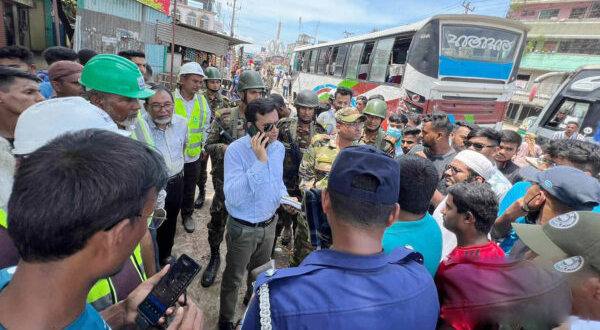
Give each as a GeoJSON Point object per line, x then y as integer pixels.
{"type": "Point", "coordinates": [569, 110]}
{"type": "Point", "coordinates": [381, 59]}
{"type": "Point", "coordinates": [479, 43]}
{"type": "Point", "coordinates": [306, 60]}
{"type": "Point", "coordinates": [339, 60]}
{"type": "Point", "coordinates": [353, 60]}
{"type": "Point", "coordinates": [331, 67]}
{"type": "Point", "coordinates": [323, 54]}
{"type": "Point", "coordinates": [423, 54]}
{"type": "Point", "coordinates": [398, 60]}
{"type": "Point", "coordinates": [295, 62]}
{"type": "Point", "coordinates": [363, 67]}
{"type": "Point", "coordinates": [313, 60]}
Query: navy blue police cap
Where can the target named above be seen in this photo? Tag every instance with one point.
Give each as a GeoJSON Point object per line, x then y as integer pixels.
{"type": "Point", "coordinates": [365, 160]}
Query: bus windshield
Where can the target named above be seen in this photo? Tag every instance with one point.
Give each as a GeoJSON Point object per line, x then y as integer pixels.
{"type": "Point", "coordinates": [467, 42]}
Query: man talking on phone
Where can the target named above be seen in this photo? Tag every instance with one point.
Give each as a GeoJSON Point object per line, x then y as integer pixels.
{"type": "Point", "coordinates": [253, 190]}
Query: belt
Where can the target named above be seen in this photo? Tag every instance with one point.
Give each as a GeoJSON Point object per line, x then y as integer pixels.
{"type": "Point", "coordinates": [176, 176]}
{"type": "Point", "coordinates": [258, 224]}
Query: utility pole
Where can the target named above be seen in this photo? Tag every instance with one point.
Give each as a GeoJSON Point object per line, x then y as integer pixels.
{"type": "Point", "coordinates": [468, 7]}
{"type": "Point", "coordinates": [56, 28]}
{"type": "Point", "coordinates": [174, 16]}
{"type": "Point", "coordinates": [235, 8]}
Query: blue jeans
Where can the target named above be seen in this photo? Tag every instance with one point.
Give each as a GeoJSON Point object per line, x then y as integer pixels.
{"type": "Point", "coordinates": [285, 91]}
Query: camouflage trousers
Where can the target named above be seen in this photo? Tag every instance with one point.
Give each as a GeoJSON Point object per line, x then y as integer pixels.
{"type": "Point", "coordinates": [302, 245]}
{"type": "Point", "coordinates": [218, 214]}
{"type": "Point", "coordinates": [202, 174]}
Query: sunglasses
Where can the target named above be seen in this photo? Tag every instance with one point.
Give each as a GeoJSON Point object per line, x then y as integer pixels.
{"type": "Point", "coordinates": [268, 127]}
{"type": "Point", "coordinates": [477, 146]}
{"type": "Point", "coordinates": [355, 124]}
{"type": "Point", "coordinates": [452, 169]}
{"type": "Point", "coordinates": [155, 220]}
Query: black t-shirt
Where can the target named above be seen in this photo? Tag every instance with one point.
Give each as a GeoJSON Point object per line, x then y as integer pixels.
{"type": "Point", "coordinates": [511, 172]}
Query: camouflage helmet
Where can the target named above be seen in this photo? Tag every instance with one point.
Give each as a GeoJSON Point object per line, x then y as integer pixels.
{"type": "Point", "coordinates": [250, 79]}
{"type": "Point", "coordinates": [212, 73]}
{"type": "Point", "coordinates": [377, 108]}
{"type": "Point", "coordinates": [306, 98]}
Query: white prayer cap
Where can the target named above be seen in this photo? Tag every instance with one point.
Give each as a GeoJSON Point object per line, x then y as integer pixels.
{"type": "Point", "coordinates": [477, 162]}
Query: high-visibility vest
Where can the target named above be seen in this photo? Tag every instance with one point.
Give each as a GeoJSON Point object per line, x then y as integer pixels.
{"type": "Point", "coordinates": [140, 131]}
{"type": "Point", "coordinates": [195, 125]}
{"type": "Point", "coordinates": [103, 294]}
{"type": "Point", "coordinates": [3, 218]}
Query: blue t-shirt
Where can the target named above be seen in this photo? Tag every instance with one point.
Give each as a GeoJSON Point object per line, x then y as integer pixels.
{"type": "Point", "coordinates": [89, 319]}
{"type": "Point", "coordinates": [517, 191]}
{"type": "Point", "coordinates": [46, 90]}
{"type": "Point", "coordinates": [423, 236]}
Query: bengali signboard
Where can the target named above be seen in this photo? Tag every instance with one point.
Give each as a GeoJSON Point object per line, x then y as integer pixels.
{"type": "Point", "coordinates": [161, 5]}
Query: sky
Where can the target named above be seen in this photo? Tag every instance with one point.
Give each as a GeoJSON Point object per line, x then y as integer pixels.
{"type": "Point", "coordinates": [256, 20]}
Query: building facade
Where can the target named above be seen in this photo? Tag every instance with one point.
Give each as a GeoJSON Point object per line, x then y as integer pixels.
{"type": "Point", "coordinates": [564, 35]}
{"type": "Point", "coordinates": [200, 14]}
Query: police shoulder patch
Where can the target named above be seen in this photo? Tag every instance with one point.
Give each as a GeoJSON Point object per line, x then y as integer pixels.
{"type": "Point", "coordinates": [570, 265]}
{"type": "Point", "coordinates": [564, 221]}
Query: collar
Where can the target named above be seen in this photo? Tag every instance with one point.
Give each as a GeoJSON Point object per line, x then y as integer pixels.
{"type": "Point", "coordinates": [506, 164]}
{"type": "Point", "coordinates": [332, 258]}
{"type": "Point", "coordinates": [178, 96]}
{"type": "Point", "coordinates": [153, 125]}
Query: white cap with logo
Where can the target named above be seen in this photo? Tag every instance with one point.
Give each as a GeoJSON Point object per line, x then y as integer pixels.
{"type": "Point", "coordinates": [191, 68]}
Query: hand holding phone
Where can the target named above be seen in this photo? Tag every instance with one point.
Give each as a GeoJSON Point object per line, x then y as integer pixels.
{"type": "Point", "coordinates": [168, 290]}
{"type": "Point", "coordinates": [259, 144]}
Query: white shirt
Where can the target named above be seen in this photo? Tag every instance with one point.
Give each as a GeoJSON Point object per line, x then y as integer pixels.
{"type": "Point", "coordinates": [189, 108]}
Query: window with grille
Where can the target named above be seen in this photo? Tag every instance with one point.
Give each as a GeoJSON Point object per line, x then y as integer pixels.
{"type": "Point", "coordinates": [549, 13]}
{"type": "Point", "coordinates": [578, 12]}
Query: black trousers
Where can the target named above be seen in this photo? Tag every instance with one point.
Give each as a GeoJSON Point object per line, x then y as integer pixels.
{"type": "Point", "coordinates": [165, 234]}
{"type": "Point", "coordinates": [190, 177]}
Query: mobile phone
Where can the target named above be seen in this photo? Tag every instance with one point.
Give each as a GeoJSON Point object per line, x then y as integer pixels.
{"type": "Point", "coordinates": [169, 288]}
{"type": "Point", "coordinates": [253, 130]}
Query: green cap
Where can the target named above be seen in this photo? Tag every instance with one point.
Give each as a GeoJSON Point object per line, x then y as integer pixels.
{"type": "Point", "coordinates": [212, 73]}
{"type": "Point", "coordinates": [250, 79]}
{"type": "Point", "coordinates": [349, 115]}
{"type": "Point", "coordinates": [306, 98]}
{"type": "Point", "coordinates": [571, 240]}
{"type": "Point", "coordinates": [377, 108]}
{"type": "Point", "coordinates": [115, 75]}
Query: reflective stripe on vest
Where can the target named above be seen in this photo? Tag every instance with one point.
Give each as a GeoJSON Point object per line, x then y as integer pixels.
{"type": "Point", "coordinates": [195, 126]}
{"type": "Point", "coordinates": [140, 131]}
{"type": "Point", "coordinates": [3, 217]}
{"type": "Point", "coordinates": [103, 293]}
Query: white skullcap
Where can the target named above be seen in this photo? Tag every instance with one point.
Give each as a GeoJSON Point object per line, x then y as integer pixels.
{"type": "Point", "coordinates": [477, 162]}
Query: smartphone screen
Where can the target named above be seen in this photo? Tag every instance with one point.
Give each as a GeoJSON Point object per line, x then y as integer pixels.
{"type": "Point", "coordinates": [169, 288]}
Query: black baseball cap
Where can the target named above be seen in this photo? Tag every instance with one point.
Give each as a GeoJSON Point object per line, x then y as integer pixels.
{"type": "Point", "coordinates": [365, 160]}
{"type": "Point", "coordinates": [569, 185]}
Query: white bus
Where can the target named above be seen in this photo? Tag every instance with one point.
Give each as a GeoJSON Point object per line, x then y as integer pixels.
{"type": "Point", "coordinates": [465, 65]}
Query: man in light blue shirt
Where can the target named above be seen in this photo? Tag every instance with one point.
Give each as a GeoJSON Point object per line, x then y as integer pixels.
{"type": "Point", "coordinates": [253, 190]}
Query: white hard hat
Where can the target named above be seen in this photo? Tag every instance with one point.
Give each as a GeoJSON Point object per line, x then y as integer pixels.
{"type": "Point", "coordinates": [44, 121]}
{"type": "Point", "coordinates": [191, 68]}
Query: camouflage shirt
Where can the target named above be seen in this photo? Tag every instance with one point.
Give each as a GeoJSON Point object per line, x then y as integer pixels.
{"type": "Point", "coordinates": [218, 103]}
{"type": "Point", "coordinates": [291, 132]}
{"type": "Point", "coordinates": [380, 141]}
{"type": "Point", "coordinates": [232, 121]}
{"type": "Point", "coordinates": [317, 161]}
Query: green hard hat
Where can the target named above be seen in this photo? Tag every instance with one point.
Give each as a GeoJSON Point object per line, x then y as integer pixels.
{"type": "Point", "coordinates": [250, 79]}
{"type": "Point", "coordinates": [377, 108]}
{"type": "Point", "coordinates": [212, 73]}
{"type": "Point", "coordinates": [306, 98]}
{"type": "Point", "coordinates": [115, 75]}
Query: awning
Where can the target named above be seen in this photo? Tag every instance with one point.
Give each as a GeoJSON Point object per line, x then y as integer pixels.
{"type": "Point", "coordinates": [28, 3]}
{"type": "Point", "coordinates": [557, 62]}
{"type": "Point", "coordinates": [196, 38]}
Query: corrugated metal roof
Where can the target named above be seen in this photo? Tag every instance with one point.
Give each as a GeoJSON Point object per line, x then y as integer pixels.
{"type": "Point", "coordinates": [129, 9]}
{"type": "Point", "coordinates": [192, 38]}
{"type": "Point", "coordinates": [155, 57]}
{"type": "Point", "coordinates": [557, 62]}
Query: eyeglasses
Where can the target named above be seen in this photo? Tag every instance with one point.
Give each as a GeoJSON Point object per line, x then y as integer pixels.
{"type": "Point", "coordinates": [155, 220]}
{"type": "Point", "coordinates": [158, 106]}
{"type": "Point", "coordinates": [268, 127]}
{"type": "Point", "coordinates": [477, 146]}
{"type": "Point", "coordinates": [452, 169]}
{"type": "Point", "coordinates": [353, 124]}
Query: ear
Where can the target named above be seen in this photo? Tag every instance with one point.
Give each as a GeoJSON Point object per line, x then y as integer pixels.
{"type": "Point", "coordinates": [468, 217]}
{"type": "Point", "coordinates": [326, 201]}
{"type": "Point", "coordinates": [393, 215]}
{"type": "Point", "coordinates": [106, 241]}
{"type": "Point", "coordinates": [96, 99]}
{"type": "Point", "coordinates": [594, 287]}
{"type": "Point", "coordinates": [542, 198]}
{"type": "Point", "coordinates": [55, 85]}
{"type": "Point", "coordinates": [33, 68]}
{"type": "Point", "coordinates": [479, 179]}
{"type": "Point", "coordinates": [248, 124]}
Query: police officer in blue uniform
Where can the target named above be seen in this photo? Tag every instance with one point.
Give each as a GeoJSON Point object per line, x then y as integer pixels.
{"type": "Point", "coordinates": [353, 285]}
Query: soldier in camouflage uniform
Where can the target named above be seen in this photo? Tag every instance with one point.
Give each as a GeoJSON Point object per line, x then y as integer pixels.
{"type": "Point", "coordinates": [315, 167]}
{"type": "Point", "coordinates": [227, 127]}
{"type": "Point", "coordinates": [295, 133]}
{"type": "Point", "coordinates": [376, 112]}
{"type": "Point", "coordinates": [216, 102]}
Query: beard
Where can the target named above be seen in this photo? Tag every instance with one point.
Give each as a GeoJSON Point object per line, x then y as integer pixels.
{"type": "Point", "coordinates": [130, 121]}
{"type": "Point", "coordinates": [163, 121]}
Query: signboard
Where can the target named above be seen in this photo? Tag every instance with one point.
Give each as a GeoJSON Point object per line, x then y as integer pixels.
{"type": "Point", "coordinates": [163, 6]}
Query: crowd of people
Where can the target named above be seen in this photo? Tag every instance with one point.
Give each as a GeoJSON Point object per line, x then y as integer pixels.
{"type": "Point", "coordinates": [432, 223]}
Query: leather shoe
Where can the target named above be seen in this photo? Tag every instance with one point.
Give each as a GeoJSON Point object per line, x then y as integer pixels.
{"type": "Point", "coordinates": [199, 202]}
{"type": "Point", "coordinates": [210, 273]}
{"type": "Point", "coordinates": [226, 326]}
{"type": "Point", "coordinates": [189, 224]}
